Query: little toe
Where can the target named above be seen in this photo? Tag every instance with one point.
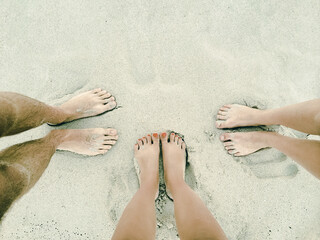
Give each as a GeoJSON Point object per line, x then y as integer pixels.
{"type": "Point", "coordinates": [155, 138]}
{"type": "Point", "coordinates": [136, 147]}
{"type": "Point", "coordinates": [105, 147]}
{"type": "Point", "coordinates": [183, 145]}
{"type": "Point", "coordinates": [237, 154]}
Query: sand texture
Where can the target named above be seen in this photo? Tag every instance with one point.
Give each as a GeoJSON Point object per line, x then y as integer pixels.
{"type": "Point", "coordinates": [170, 65]}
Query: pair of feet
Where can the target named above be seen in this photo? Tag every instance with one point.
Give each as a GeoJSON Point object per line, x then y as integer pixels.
{"type": "Point", "coordinates": [91, 141]}
{"type": "Point", "coordinates": [241, 143]}
{"type": "Point", "coordinates": [147, 151]}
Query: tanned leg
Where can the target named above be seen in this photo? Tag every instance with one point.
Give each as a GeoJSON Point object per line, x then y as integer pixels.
{"type": "Point", "coordinates": [22, 165]}
{"type": "Point", "coordinates": [304, 117]}
{"type": "Point", "coordinates": [19, 113]}
{"type": "Point", "coordinates": [194, 220]}
{"type": "Point", "coordinates": [305, 152]}
{"type": "Point", "coordinates": [138, 220]}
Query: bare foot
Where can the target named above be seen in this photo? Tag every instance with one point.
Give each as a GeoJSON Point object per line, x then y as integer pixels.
{"type": "Point", "coordinates": [236, 115]}
{"type": "Point", "coordinates": [245, 143]}
{"type": "Point", "coordinates": [88, 104]}
{"type": "Point", "coordinates": [146, 152]}
{"type": "Point", "coordinates": [91, 142]}
{"type": "Point", "coordinates": [174, 159]}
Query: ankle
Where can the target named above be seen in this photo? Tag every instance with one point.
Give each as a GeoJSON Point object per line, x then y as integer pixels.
{"type": "Point", "coordinates": [175, 184]}
{"type": "Point", "coordinates": [57, 136]}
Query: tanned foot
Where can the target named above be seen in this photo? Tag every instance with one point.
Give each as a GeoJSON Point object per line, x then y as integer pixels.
{"type": "Point", "coordinates": [245, 143]}
{"type": "Point", "coordinates": [235, 115]}
{"type": "Point", "coordinates": [91, 142]}
{"type": "Point", "coordinates": [146, 152]}
{"type": "Point", "coordinates": [88, 104]}
{"type": "Point", "coordinates": [174, 160]}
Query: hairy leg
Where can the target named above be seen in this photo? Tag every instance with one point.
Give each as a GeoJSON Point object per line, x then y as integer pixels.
{"type": "Point", "coordinates": [22, 165]}
{"type": "Point", "coordinates": [138, 220]}
{"type": "Point", "coordinates": [194, 220]}
{"type": "Point", "coordinates": [304, 117]}
{"type": "Point", "coordinates": [305, 152]}
{"type": "Point", "coordinates": [19, 113]}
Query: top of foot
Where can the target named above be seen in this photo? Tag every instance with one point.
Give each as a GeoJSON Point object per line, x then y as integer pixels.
{"type": "Point", "coordinates": [146, 152]}
{"type": "Point", "coordinates": [91, 142]}
{"type": "Point", "coordinates": [174, 158]}
{"type": "Point", "coordinates": [88, 104]}
{"type": "Point", "coordinates": [244, 143]}
{"type": "Point", "coordinates": [235, 115]}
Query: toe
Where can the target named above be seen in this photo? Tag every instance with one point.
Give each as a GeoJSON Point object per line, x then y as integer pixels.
{"type": "Point", "coordinates": [96, 90]}
{"type": "Point", "coordinates": [155, 138]}
{"type": "Point", "coordinates": [136, 147]}
{"type": "Point", "coordinates": [111, 137]}
{"type": "Point", "coordinates": [109, 99]}
{"type": "Point", "coordinates": [233, 151]}
{"type": "Point", "coordinates": [237, 154]}
{"type": "Point", "coordinates": [110, 131]}
{"type": "Point", "coordinates": [221, 117]}
{"type": "Point", "coordinates": [102, 151]}
{"type": "Point", "coordinates": [227, 106]}
{"type": "Point", "coordinates": [172, 136]}
{"type": "Point", "coordinates": [179, 141]}
{"type": "Point", "coordinates": [176, 137]}
{"type": "Point", "coordinates": [101, 93]}
{"type": "Point", "coordinates": [140, 143]}
{"type": "Point", "coordinates": [110, 105]}
{"type": "Point", "coordinates": [222, 113]}
{"type": "Point", "coordinates": [224, 109]}
{"type": "Point", "coordinates": [183, 145]}
{"type": "Point", "coordinates": [149, 139]}
{"type": "Point", "coordinates": [225, 137]}
{"type": "Point", "coordinates": [164, 138]}
{"type": "Point", "coordinates": [231, 147]}
{"type": "Point", "coordinates": [109, 142]}
{"type": "Point", "coordinates": [227, 143]}
{"type": "Point", "coordinates": [105, 96]}
{"type": "Point", "coordinates": [144, 140]}
{"type": "Point", "coordinates": [220, 124]}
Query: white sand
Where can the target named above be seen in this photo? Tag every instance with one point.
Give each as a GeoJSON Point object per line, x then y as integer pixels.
{"type": "Point", "coordinates": [171, 65]}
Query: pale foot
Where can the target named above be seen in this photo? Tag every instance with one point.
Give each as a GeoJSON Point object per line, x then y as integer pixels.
{"type": "Point", "coordinates": [174, 160]}
{"type": "Point", "coordinates": [88, 104]}
{"type": "Point", "coordinates": [91, 142]}
{"type": "Point", "coordinates": [146, 152]}
{"type": "Point", "coordinates": [235, 115]}
{"type": "Point", "coordinates": [245, 143]}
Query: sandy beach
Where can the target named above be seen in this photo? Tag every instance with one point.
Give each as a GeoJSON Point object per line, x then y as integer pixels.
{"type": "Point", "coordinates": [170, 65]}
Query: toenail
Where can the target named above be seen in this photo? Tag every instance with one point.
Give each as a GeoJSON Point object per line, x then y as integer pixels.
{"type": "Point", "coordinates": [155, 135]}
{"type": "Point", "coordinates": [172, 134]}
{"type": "Point", "coordinates": [163, 134]}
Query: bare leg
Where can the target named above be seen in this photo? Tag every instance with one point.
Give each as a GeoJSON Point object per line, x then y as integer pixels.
{"type": "Point", "coordinates": [19, 113]}
{"type": "Point", "coordinates": [22, 165]}
{"type": "Point", "coordinates": [304, 152]}
{"type": "Point", "coordinates": [194, 220]}
{"type": "Point", "coordinates": [304, 117]}
{"type": "Point", "coordinates": [138, 220]}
